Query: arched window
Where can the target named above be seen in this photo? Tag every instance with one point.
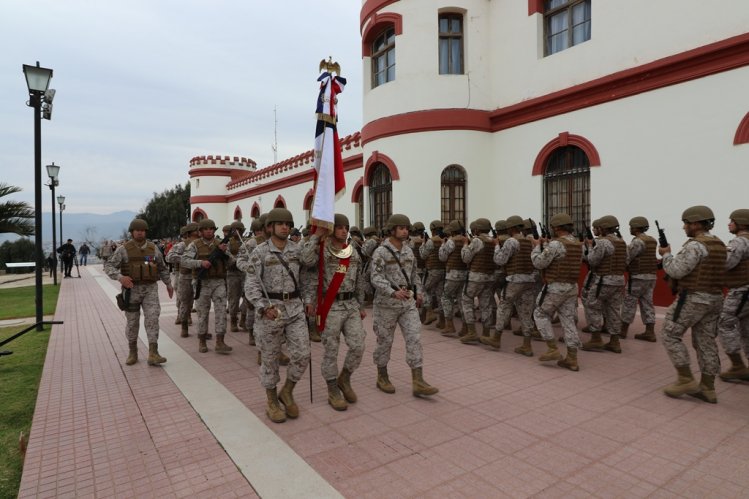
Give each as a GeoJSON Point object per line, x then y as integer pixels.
{"type": "Point", "coordinates": [383, 58]}
{"type": "Point", "coordinates": [280, 202]}
{"type": "Point", "coordinates": [238, 213]}
{"type": "Point", "coordinates": [567, 186]}
{"type": "Point", "coordinates": [380, 195]}
{"type": "Point", "coordinates": [255, 212]}
{"type": "Point", "coordinates": [360, 208]}
{"type": "Point", "coordinates": [453, 184]}
{"type": "Point", "coordinates": [198, 214]}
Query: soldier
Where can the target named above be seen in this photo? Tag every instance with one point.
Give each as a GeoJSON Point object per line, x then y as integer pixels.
{"type": "Point", "coordinates": [184, 287]}
{"type": "Point", "coordinates": [561, 259]}
{"type": "Point", "coordinates": [175, 271]}
{"type": "Point", "coordinates": [642, 266]}
{"type": "Point", "coordinates": [733, 325]}
{"type": "Point", "coordinates": [243, 264]}
{"type": "Point", "coordinates": [398, 295]}
{"type": "Point", "coordinates": [588, 281]}
{"type": "Point", "coordinates": [699, 269]}
{"type": "Point", "coordinates": [608, 261]}
{"type": "Point", "coordinates": [415, 241]}
{"type": "Point", "coordinates": [341, 309]}
{"type": "Point", "coordinates": [272, 287]}
{"type": "Point", "coordinates": [138, 265]}
{"type": "Point", "coordinates": [434, 284]}
{"type": "Point", "coordinates": [477, 254]}
{"type": "Point", "coordinates": [500, 276]}
{"type": "Point", "coordinates": [456, 272]}
{"type": "Point", "coordinates": [520, 290]}
{"type": "Point", "coordinates": [212, 285]}
{"type": "Point", "coordinates": [234, 276]}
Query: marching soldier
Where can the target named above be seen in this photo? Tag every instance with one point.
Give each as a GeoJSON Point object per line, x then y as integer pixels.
{"type": "Point", "coordinates": [243, 263]}
{"type": "Point", "coordinates": [415, 241]}
{"type": "Point", "coordinates": [434, 284]}
{"type": "Point", "coordinates": [139, 266]}
{"type": "Point", "coordinates": [642, 265]}
{"type": "Point", "coordinates": [699, 269]}
{"type": "Point", "coordinates": [588, 281]}
{"type": "Point", "coordinates": [500, 276]}
{"type": "Point", "coordinates": [456, 272]}
{"type": "Point", "coordinates": [478, 256]}
{"type": "Point", "coordinates": [175, 271]}
{"type": "Point", "coordinates": [184, 285]}
{"type": "Point", "coordinates": [234, 276]}
{"type": "Point", "coordinates": [398, 294]}
{"type": "Point", "coordinates": [341, 309]}
{"type": "Point", "coordinates": [272, 287]}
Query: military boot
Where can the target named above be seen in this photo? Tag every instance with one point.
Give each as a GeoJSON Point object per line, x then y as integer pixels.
{"type": "Point", "coordinates": [707, 389]}
{"type": "Point", "coordinates": [552, 353]}
{"type": "Point", "coordinates": [252, 337]}
{"type": "Point", "coordinates": [625, 330]}
{"type": "Point", "coordinates": [221, 347]}
{"type": "Point", "coordinates": [570, 362]}
{"type": "Point", "coordinates": [243, 321]}
{"type": "Point", "coordinates": [441, 321]}
{"type": "Point", "coordinates": [463, 330]}
{"type": "Point", "coordinates": [536, 335]}
{"type": "Point", "coordinates": [449, 329]}
{"type": "Point", "coordinates": [314, 334]}
{"type": "Point", "coordinates": [259, 358]}
{"type": "Point", "coordinates": [344, 383]}
{"type": "Point", "coordinates": [274, 410]}
{"type": "Point", "coordinates": [517, 332]}
{"type": "Point", "coordinates": [132, 357]}
{"type": "Point", "coordinates": [383, 381]}
{"type": "Point", "coordinates": [430, 317]}
{"type": "Point", "coordinates": [178, 320]}
{"type": "Point", "coordinates": [494, 341]}
{"type": "Point", "coordinates": [613, 345]}
{"type": "Point", "coordinates": [283, 359]}
{"type": "Point", "coordinates": [685, 383]}
{"type": "Point", "coordinates": [286, 397]}
{"type": "Point", "coordinates": [335, 398]}
{"type": "Point", "coordinates": [648, 335]}
{"type": "Point", "coordinates": [421, 387]}
{"type": "Point", "coordinates": [737, 371]}
{"type": "Point", "coordinates": [202, 347]}
{"type": "Point", "coordinates": [595, 344]}
{"type": "Point", "coordinates": [184, 333]}
{"type": "Point", "coordinates": [526, 348]}
{"type": "Point", "coordinates": [233, 324]}
{"type": "Point", "coordinates": [471, 336]}
{"type": "Point", "coordinates": [208, 336]}
{"type": "Point", "coordinates": [154, 359]}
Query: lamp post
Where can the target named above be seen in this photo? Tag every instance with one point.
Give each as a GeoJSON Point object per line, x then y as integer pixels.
{"type": "Point", "coordinates": [61, 202]}
{"type": "Point", "coordinates": [53, 171]}
{"type": "Point", "coordinates": [37, 81]}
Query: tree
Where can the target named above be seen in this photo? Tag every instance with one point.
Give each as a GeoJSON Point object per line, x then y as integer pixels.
{"type": "Point", "coordinates": [20, 250]}
{"type": "Point", "coordinates": [15, 216]}
{"type": "Point", "coordinates": [167, 212]}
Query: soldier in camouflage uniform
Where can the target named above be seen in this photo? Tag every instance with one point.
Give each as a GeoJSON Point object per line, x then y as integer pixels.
{"type": "Point", "coordinates": [213, 284]}
{"type": "Point", "coordinates": [371, 242]}
{"type": "Point", "coordinates": [243, 264]}
{"type": "Point", "coordinates": [234, 276]}
{"type": "Point", "coordinates": [415, 241]}
{"type": "Point", "coordinates": [456, 272]}
{"type": "Point", "coordinates": [642, 266]}
{"type": "Point", "coordinates": [733, 325]}
{"type": "Point", "coordinates": [699, 269]}
{"type": "Point", "coordinates": [588, 281]}
{"type": "Point", "coordinates": [184, 287]}
{"type": "Point", "coordinates": [273, 288]}
{"type": "Point", "coordinates": [608, 260]}
{"type": "Point", "coordinates": [341, 310]}
{"type": "Point", "coordinates": [560, 259]}
{"type": "Point", "coordinates": [175, 272]}
{"type": "Point", "coordinates": [478, 256]}
{"type": "Point", "coordinates": [434, 284]}
{"type": "Point", "coordinates": [398, 295]}
{"type": "Point", "coordinates": [500, 275]}
{"type": "Point", "coordinates": [139, 266]}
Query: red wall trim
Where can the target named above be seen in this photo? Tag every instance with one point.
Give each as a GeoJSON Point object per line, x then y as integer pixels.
{"type": "Point", "coordinates": [280, 202]}
{"type": "Point", "coordinates": [370, 7]}
{"type": "Point", "coordinates": [426, 121]}
{"type": "Point", "coordinates": [358, 186]}
{"type": "Point", "coordinates": [307, 203]}
{"type": "Point", "coordinates": [565, 139]}
{"type": "Point", "coordinates": [377, 26]}
{"type": "Point", "coordinates": [210, 172]}
{"type": "Point", "coordinates": [742, 132]}
{"type": "Point", "coordinates": [535, 7]}
{"type": "Point", "coordinates": [378, 157]}
{"type": "Point", "coordinates": [198, 211]}
{"type": "Point", "coordinates": [207, 199]}
{"type": "Point", "coordinates": [255, 211]}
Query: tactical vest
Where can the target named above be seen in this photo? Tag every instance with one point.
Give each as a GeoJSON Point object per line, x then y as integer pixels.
{"type": "Point", "coordinates": [709, 275]}
{"type": "Point", "coordinates": [615, 263]}
{"type": "Point", "coordinates": [567, 268]}
{"type": "Point", "coordinates": [141, 263]}
{"type": "Point", "coordinates": [433, 259]}
{"type": "Point", "coordinates": [234, 246]}
{"type": "Point", "coordinates": [645, 262]}
{"type": "Point", "coordinates": [520, 262]}
{"type": "Point", "coordinates": [419, 261]}
{"type": "Point", "coordinates": [739, 275]}
{"type": "Point", "coordinates": [455, 261]}
{"type": "Point", "coordinates": [483, 261]}
{"type": "Point", "coordinates": [218, 269]}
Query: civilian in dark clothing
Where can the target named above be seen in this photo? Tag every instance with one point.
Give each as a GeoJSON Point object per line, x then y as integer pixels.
{"type": "Point", "coordinates": [67, 255]}
{"type": "Point", "coordinates": [84, 250]}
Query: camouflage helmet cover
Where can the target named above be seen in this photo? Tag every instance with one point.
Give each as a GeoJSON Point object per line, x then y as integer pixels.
{"type": "Point", "coordinates": [138, 224]}
{"type": "Point", "coordinates": [396, 220]}
{"type": "Point", "coordinates": [279, 215]}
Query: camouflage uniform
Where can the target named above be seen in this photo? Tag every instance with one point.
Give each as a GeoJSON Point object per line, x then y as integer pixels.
{"type": "Point", "coordinates": [733, 328]}
{"type": "Point", "coordinates": [388, 311]}
{"type": "Point", "coordinates": [144, 293]}
{"type": "Point", "coordinates": [184, 289]}
{"type": "Point", "coordinates": [480, 283]}
{"type": "Point", "coordinates": [266, 274]}
{"type": "Point", "coordinates": [605, 295]}
{"type": "Point", "coordinates": [234, 280]}
{"type": "Point", "coordinates": [435, 281]}
{"type": "Point", "coordinates": [455, 279]}
{"type": "Point", "coordinates": [520, 290]}
{"type": "Point", "coordinates": [243, 264]}
{"type": "Point", "coordinates": [641, 284]}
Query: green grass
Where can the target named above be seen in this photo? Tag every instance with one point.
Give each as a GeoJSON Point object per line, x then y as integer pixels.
{"type": "Point", "coordinates": [20, 374]}
{"type": "Point", "coordinates": [21, 302]}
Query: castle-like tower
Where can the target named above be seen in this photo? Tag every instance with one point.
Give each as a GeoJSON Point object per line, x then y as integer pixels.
{"type": "Point", "coordinates": [209, 177]}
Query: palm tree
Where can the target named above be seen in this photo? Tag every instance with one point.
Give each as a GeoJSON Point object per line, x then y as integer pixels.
{"type": "Point", "coordinates": [15, 216]}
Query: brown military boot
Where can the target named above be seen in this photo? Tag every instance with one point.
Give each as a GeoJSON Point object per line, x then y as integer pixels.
{"type": "Point", "coordinates": [526, 348]}
{"type": "Point", "coordinates": [494, 341]}
{"type": "Point", "coordinates": [613, 345]}
{"type": "Point", "coordinates": [243, 321]}
{"type": "Point", "coordinates": [684, 384]}
{"type": "Point", "coordinates": [625, 330]}
{"type": "Point", "coordinates": [178, 320]}
{"type": "Point", "coordinates": [463, 330]}
{"type": "Point", "coordinates": [430, 317]}
{"type": "Point", "coordinates": [252, 337]}
{"type": "Point", "coordinates": [570, 362]}
{"type": "Point", "coordinates": [233, 324]}
{"type": "Point", "coordinates": [344, 383]}
{"type": "Point", "coordinates": [286, 397]}
{"type": "Point", "coordinates": [202, 347]}
{"type": "Point", "coordinates": [441, 321]}
{"type": "Point", "coordinates": [314, 334]}
{"type": "Point", "coordinates": [274, 410]}
{"type": "Point", "coordinates": [283, 359]}
{"type": "Point", "coordinates": [184, 333]}
{"type": "Point", "coordinates": [552, 353]}
{"type": "Point", "coordinates": [737, 371]}
{"type": "Point", "coordinates": [707, 389]}
{"type": "Point", "coordinates": [517, 332]}
{"type": "Point", "coordinates": [536, 335]}
{"type": "Point", "coordinates": [154, 359]}
{"type": "Point", "coordinates": [132, 357]}
{"type": "Point", "coordinates": [449, 329]}
{"type": "Point", "coordinates": [221, 347]}
{"type": "Point", "coordinates": [595, 344]}
{"type": "Point", "coordinates": [383, 381]}
{"type": "Point", "coordinates": [648, 335]}
{"type": "Point", "coordinates": [471, 336]}
{"type": "Point", "coordinates": [335, 398]}
{"type": "Point", "coordinates": [421, 387]}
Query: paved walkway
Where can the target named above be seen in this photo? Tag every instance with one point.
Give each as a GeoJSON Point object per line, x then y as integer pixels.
{"type": "Point", "coordinates": [501, 426]}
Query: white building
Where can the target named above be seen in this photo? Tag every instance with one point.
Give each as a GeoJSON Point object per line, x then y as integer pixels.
{"type": "Point", "coordinates": [489, 108]}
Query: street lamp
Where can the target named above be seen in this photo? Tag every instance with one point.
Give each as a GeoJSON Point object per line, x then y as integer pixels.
{"type": "Point", "coordinates": [61, 202]}
{"type": "Point", "coordinates": [53, 171]}
{"type": "Point", "coordinates": [40, 98]}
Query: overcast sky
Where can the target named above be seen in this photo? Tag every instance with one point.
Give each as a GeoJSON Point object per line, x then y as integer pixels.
{"type": "Point", "coordinates": [145, 85]}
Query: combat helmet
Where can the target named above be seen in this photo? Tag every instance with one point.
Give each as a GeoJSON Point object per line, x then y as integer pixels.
{"type": "Point", "coordinates": [560, 219]}
{"type": "Point", "coordinates": [191, 227]}
{"type": "Point", "coordinates": [418, 226]}
{"type": "Point", "coordinates": [740, 216]}
{"type": "Point", "coordinates": [138, 224]}
{"type": "Point", "coordinates": [256, 225]}
{"type": "Point", "coordinates": [183, 231]}
{"type": "Point", "coordinates": [698, 214]}
{"type": "Point", "coordinates": [207, 223]}
{"type": "Point", "coordinates": [515, 221]}
{"type": "Point", "coordinates": [237, 225]}
{"type": "Point", "coordinates": [340, 219]}
{"type": "Point", "coordinates": [396, 220]}
{"type": "Point", "coordinates": [436, 225]}
{"type": "Point", "coordinates": [482, 225]}
{"type": "Point", "coordinates": [608, 222]}
{"type": "Point", "coordinates": [370, 231]}
{"type": "Point", "coordinates": [500, 225]}
{"type": "Point", "coordinates": [639, 223]}
{"type": "Point", "coordinates": [226, 228]}
{"type": "Point", "coordinates": [279, 215]}
{"type": "Point", "coordinates": [455, 227]}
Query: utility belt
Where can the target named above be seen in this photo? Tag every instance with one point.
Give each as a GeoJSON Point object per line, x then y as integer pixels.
{"type": "Point", "coordinates": [343, 296]}
{"type": "Point", "coordinates": [283, 296]}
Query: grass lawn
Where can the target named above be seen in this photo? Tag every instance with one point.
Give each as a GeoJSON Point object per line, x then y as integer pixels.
{"type": "Point", "coordinates": [20, 374]}
{"type": "Point", "coordinates": [20, 302]}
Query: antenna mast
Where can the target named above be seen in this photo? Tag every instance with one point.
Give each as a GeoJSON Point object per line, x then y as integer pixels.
{"type": "Point", "coordinates": [275, 135]}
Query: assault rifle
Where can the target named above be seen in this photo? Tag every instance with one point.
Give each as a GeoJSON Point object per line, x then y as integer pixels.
{"type": "Point", "coordinates": [544, 231]}
{"type": "Point", "coordinates": [214, 257]}
{"type": "Point", "coordinates": [662, 241]}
